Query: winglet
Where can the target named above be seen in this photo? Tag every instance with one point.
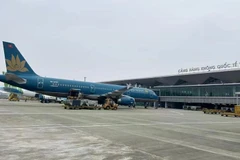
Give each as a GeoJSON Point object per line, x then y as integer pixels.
{"type": "Point", "coordinates": [129, 86]}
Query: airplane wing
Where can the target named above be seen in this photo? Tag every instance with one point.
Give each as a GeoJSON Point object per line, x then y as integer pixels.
{"type": "Point", "coordinates": [116, 93]}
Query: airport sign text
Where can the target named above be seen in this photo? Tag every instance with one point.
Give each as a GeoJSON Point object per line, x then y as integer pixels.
{"type": "Point", "coordinates": [210, 68]}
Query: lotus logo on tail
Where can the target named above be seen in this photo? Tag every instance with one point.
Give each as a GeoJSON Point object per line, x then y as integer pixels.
{"type": "Point", "coordinates": [16, 65]}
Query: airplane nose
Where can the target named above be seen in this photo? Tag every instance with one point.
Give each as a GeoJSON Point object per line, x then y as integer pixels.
{"type": "Point", "coordinates": [155, 96]}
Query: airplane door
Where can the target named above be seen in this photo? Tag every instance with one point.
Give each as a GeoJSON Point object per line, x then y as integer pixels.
{"type": "Point", "coordinates": [40, 83]}
{"type": "Point", "coordinates": [92, 89]}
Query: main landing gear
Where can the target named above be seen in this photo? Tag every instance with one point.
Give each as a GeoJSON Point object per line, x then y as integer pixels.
{"type": "Point", "coordinates": [146, 105]}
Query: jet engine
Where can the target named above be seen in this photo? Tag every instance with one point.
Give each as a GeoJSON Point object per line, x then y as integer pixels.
{"type": "Point", "coordinates": [126, 100]}
{"type": "Point", "coordinates": [28, 93]}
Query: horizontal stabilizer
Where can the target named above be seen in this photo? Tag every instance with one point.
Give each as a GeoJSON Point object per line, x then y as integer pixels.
{"type": "Point", "coordinates": [15, 78]}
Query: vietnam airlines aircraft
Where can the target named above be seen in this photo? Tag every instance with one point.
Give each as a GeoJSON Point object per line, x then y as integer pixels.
{"type": "Point", "coordinates": [20, 74]}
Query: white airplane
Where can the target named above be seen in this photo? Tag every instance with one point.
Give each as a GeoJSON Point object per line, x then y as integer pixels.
{"type": "Point", "coordinates": [4, 95]}
{"type": "Point", "coordinates": [18, 92]}
{"type": "Point", "coordinates": [27, 93]}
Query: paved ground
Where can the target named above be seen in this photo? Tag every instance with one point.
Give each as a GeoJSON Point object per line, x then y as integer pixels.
{"type": "Point", "coordinates": [31, 130]}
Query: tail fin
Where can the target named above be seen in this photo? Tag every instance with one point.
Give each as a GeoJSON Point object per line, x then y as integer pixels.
{"type": "Point", "coordinates": [15, 62]}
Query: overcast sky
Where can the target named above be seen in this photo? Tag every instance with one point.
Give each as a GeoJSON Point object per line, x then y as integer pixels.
{"type": "Point", "coordinates": [120, 39]}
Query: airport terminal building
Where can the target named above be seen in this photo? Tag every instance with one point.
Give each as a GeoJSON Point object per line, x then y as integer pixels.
{"type": "Point", "coordinates": [205, 89]}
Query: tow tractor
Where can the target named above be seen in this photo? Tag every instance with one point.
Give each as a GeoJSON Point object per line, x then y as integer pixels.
{"type": "Point", "coordinates": [109, 104]}
{"type": "Point", "coordinates": [13, 97]}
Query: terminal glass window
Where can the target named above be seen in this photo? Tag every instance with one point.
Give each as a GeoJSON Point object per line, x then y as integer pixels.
{"type": "Point", "coordinates": [206, 91]}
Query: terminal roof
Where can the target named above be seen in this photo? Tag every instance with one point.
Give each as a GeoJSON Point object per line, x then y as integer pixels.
{"type": "Point", "coordinates": [224, 76]}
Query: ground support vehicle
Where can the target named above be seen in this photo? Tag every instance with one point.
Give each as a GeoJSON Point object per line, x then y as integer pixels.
{"type": "Point", "coordinates": [235, 113]}
{"type": "Point", "coordinates": [80, 104]}
{"type": "Point", "coordinates": [109, 104]}
{"type": "Point", "coordinates": [13, 97]}
{"type": "Point", "coordinates": [212, 111]}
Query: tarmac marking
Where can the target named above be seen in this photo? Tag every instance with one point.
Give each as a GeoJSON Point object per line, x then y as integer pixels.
{"type": "Point", "coordinates": [97, 113]}
{"type": "Point", "coordinates": [150, 154]}
{"type": "Point", "coordinates": [177, 112]}
{"type": "Point", "coordinates": [121, 124]}
{"type": "Point", "coordinates": [207, 122]}
{"type": "Point", "coordinates": [224, 138]}
{"type": "Point", "coordinates": [142, 119]}
{"type": "Point", "coordinates": [182, 124]}
{"type": "Point", "coordinates": [138, 119]}
{"type": "Point", "coordinates": [150, 121]}
{"type": "Point", "coordinates": [183, 130]}
{"type": "Point", "coordinates": [141, 151]}
{"type": "Point", "coordinates": [31, 126]}
{"type": "Point", "coordinates": [209, 130]}
{"type": "Point", "coordinates": [77, 119]}
{"type": "Point", "coordinates": [176, 142]}
{"type": "Point", "coordinates": [188, 145]}
{"type": "Point", "coordinates": [77, 126]}
{"type": "Point", "coordinates": [110, 118]}
{"type": "Point", "coordinates": [5, 112]}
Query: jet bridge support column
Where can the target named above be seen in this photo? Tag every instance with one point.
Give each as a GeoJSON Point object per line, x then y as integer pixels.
{"type": "Point", "coordinates": [166, 105]}
{"type": "Point", "coordinates": [155, 105]}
